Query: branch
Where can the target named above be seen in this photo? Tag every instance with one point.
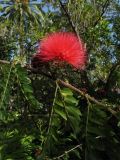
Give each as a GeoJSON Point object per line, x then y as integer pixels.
{"type": "Point", "coordinates": [4, 62]}
{"type": "Point", "coordinates": [30, 69]}
{"type": "Point", "coordinates": [81, 92]}
{"type": "Point", "coordinates": [87, 96]}
{"type": "Point", "coordinates": [66, 152]}
{"type": "Point", "coordinates": [36, 71]}
{"type": "Point", "coordinates": [105, 6]}
{"type": "Point", "coordinates": [68, 16]}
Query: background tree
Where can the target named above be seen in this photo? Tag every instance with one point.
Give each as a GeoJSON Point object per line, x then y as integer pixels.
{"type": "Point", "coordinates": [43, 114]}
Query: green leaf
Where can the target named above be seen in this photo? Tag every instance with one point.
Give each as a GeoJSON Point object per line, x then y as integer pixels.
{"type": "Point", "coordinates": [118, 124]}
{"type": "Point", "coordinates": [61, 113]}
{"type": "Point", "coordinates": [75, 124]}
{"type": "Point", "coordinates": [70, 99]}
{"type": "Point", "coordinates": [59, 103]}
{"type": "Point", "coordinates": [73, 110]}
{"type": "Point", "coordinates": [66, 92]}
{"type": "Point", "coordinates": [77, 153]}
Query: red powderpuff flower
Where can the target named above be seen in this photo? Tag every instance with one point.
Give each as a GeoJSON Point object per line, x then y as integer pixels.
{"type": "Point", "coordinates": [62, 47]}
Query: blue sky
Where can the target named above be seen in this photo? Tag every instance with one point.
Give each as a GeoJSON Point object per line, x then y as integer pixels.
{"type": "Point", "coordinates": [45, 8]}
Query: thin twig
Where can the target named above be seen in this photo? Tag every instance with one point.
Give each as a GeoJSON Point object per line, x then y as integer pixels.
{"type": "Point", "coordinates": [52, 109]}
{"type": "Point", "coordinates": [50, 122]}
{"type": "Point", "coordinates": [86, 127]}
{"type": "Point", "coordinates": [6, 85]}
{"type": "Point", "coordinates": [69, 19]}
{"type": "Point", "coordinates": [68, 16]}
{"type": "Point", "coordinates": [4, 62]}
{"type": "Point", "coordinates": [105, 6]}
{"type": "Point", "coordinates": [68, 151]}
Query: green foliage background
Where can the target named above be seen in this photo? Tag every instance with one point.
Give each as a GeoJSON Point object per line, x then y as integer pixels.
{"type": "Point", "coordinates": [42, 117]}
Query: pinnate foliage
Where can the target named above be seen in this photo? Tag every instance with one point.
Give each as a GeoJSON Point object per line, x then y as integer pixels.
{"type": "Point", "coordinates": [42, 118]}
